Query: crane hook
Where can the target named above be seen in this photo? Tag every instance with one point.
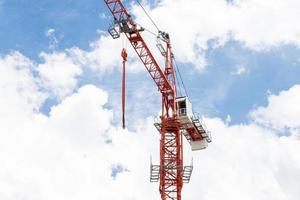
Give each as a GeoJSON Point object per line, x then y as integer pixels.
{"type": "Point", "coordinates": [124, 56]}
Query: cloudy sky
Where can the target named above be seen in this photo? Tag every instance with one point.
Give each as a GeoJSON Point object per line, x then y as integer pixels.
{"type": "Point", "coordinates": [60, 83]}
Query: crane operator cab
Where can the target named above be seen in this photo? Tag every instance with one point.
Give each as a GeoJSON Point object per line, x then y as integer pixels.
{"type": "Point", "coordinates": [185, 111]}
{"type": "Point", "coordinates": [192, 127]}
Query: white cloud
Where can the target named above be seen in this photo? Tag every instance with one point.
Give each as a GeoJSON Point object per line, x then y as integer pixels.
{"type": "Point", "coordinates": [50, 32]}
{"type": "Point", "coordinates": [240, 70]}
{"type": "Point", "coordinates": [259, 25]}
{"type": "Point", "coordinates": [58, 73]}
{"type": "Point", "coordinates": [248, 162]}
{"type": "Point", "coordinates": [104, 56]}
{"type": "Point", "coordinates": [283, 110]}
{"type": "Point", "coordinates": [53, 41]}
{"type": "Point", "coordinates": [18, 87]}
{"type": "Point", "coordinates": [65, 155]}
{"type": "Point", "coordinates": [82, 108]}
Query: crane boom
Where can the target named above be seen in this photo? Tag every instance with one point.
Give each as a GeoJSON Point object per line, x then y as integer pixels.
{"type": "Point", "coordinates": [129, 27]}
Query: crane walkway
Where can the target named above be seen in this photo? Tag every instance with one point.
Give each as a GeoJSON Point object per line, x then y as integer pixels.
{"type": "Point", "coordinates": [193, 131]}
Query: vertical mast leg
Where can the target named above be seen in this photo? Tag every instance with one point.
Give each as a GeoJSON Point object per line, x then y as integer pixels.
{"type": "Point", "coordinates": [171, 139]}
{"type": "Point", "coordinates": [170, 160]}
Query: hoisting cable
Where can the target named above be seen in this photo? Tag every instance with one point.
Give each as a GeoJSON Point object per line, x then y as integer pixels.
{"type": "Point", "coordinates": [147, 15]}
{"type": "Point", "coordinates": [151, 32]}
{"type": "Point", "coordinates": [124, 56]}
{"type": "Point", "coordinates": [180, 77]}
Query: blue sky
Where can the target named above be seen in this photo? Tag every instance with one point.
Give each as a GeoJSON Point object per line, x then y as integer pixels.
{"type": "Point", "coordinates": [216, 91]}
{"type": "Point", "coordinates": [27, 21]}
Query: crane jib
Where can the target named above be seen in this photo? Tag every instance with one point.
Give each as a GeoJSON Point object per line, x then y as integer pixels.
{"type": "Point", "coordinates": [133, 34]}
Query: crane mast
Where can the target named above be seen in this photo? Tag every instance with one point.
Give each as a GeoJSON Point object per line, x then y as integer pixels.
{"type": "Point", "coordinates": [171, 174]}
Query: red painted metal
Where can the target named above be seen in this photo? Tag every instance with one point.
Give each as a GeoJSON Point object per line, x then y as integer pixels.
{"type": "Point", "coordinates": [124, 56]}
{"type": "Point", "coordinates": [171, 155]}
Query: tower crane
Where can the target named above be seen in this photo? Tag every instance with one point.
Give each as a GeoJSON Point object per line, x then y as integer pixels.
{"type": "Point", "coordinates": [177, 118]}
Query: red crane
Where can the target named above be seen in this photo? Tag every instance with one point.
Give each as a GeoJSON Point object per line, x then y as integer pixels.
{"type": "Point", "coordinates": [177, 118]}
